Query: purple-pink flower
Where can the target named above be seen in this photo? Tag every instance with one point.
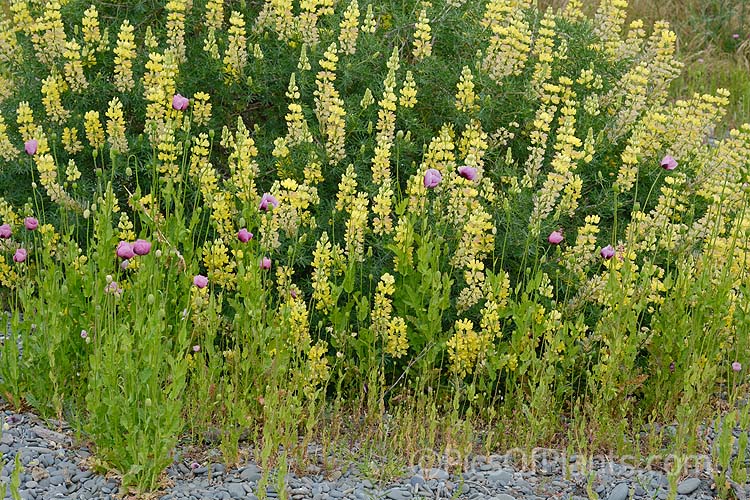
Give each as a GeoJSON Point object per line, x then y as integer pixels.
{"type": "Point", "coordinates": [30, 223]}
{"type": "Point", "coordinates": [125, 250]}
{"type": "Point", "coordinates": [5, 231]}
{"type": "Point", "coordinates": [607, 252]}
{"type": "Point", "coordinates": [196, 348]}
{"type": "Point", "coordinates": [432, 178]}
{"type": "Point", "coordinates": [736, 36]}
{"type": "Point", "coordinates": [668, 163]}
{"type": "Point", "coordinates": [84, 334]}
{"type": "Point", "coordinates": [31, 146]}
{"type": "Point", "coordinates": [20, 255]}
{"type": "Point", "coordinates": [200, 281]}
{"type": "Point", "coordinates": [736, 366]}
{"type": "Point", "coordinates": [244, 235]}
{"type": "Point", "coordinates": [467, 172]}
{"type": "Point", "coordinates": [141, 247]}
{"type": "Point", "coordinates": [265, 263]}
{"type": "Point", "coordinates": [555, 237]}
{"type": "Point", "coordinates": [180, 103]}
{"type": "Point", "coordinates": [266, 200]}
{"type": "Point", "coordinates": [671, 366]}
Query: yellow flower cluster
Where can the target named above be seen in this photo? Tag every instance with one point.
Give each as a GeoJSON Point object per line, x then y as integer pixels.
{"type": "Point", "coordinates": [298, 323]}
{"type": "Point", "coordinates": [124, 54]}
{"type": "Point", "coordinates": [201, 108]}
{"type": "Point", "coordinates": [116, 127]}
{"type": "Point", "coordinates": [323, 260]}
{"type": "Point", "coordinates": [465, 348]}
{"type": "Point", "coordinates": [70, 141]}
{"type": "Point", "coordinates": [73, 68]}
{"type": "Point", "coordinates": [52, 88]}
{"type": "Point", "coordinates": [580, 255]}
{"type": "Point", "coordinates": [318, 369]}
{"type": "Point", "coordinates": [543, 118]}
{"type": "Point", "coordinates": [381, 161]}
{"type": "Point", "coordinates": [465, 97]}
{"type": "Point", "coordinates": [329, 107]}
{"type": "Point", "coordinates": [48, 34]}
{"type": "Point", "coordinates": [201, 171]}
{"type": "Point", "coordinates": [297, 129]}
{"type": "Point", "coordinates": [72, 173]}
{"type": "Point", "coordinates": [93, 39]}
{"type": "Point", "coordinates": [510, 42]}
{"type": "Point", "coordinates": [422, 36]}
{"type": "Point", "coordinates": [45, 165]}
{"type": "Point", "coordinates": [168, 152]}
{"type": "Point", "coordinates": [8, 275]}
{"type": "Point", "coordinates": [634, 41]}
{"type": "Point", "coordinates": [176, 10]}
{"type": "Point", "coordinates": [25, 121]}
{"type": "Point", "coordinates": [408, 94]}
{"type": "Point", "coordinates": [397, 343]}
{"type": "Point", "coordinates": [214, 20]}
{"type": "Point", "coordinates": [242, 165]}
{"type": "Point", "coordinates": [368, 23]}
{"type": "Point", "coordinates": [349, 29]}
{"type": "Point", "coordinates": [125, 228]}
{"type": "Point", "coordinates": [158, 89]}
{"type": "Point", "coordinates": [356, 227]}
{"type": "Point", "coordinates": [235, 57]}
{"type": "Point", "coordinates": [220, 268]}
{"type": "Point", "coordinates": [7, 151]}
{"type": "Point", "coordinates": [562, 181]}
{"type": "Point", "coordinates": [94, 130]}
{"type": "Point", "coordinates": [543, 51]}
{"type": "Point", "coordinates": [608, 21]}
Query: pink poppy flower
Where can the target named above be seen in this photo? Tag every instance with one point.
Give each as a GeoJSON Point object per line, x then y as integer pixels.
{"type": "Point", "coordinates": [141, 247]}
{"type": "Point", "coordinates": [20, 255]}
{"type": "Point", "coordinates": [125, 250]}
{"type": "Point", "coordinates": [668, 163]}
{"type": "Point", "coordinates": [467, 172]}
{"type": "Point", "coordinates": [30, 223]}
{"type": "Point", "coordinates": [5, 231]}
{"type": "Point", "coordinates": [31, 146]}
{"type": "Point", "coordinates": [244, 235]}
{"type": "Point", "coordinates": [432, 178]}
{"type": "Point", "coordinates": [180, 103]}
{"type": "Point", "coordinates": [200, 281]}
{"type": "Point", "coordinates": [555, 237]}
{"type": "Point", "coordinates": [607, 252]}
{"type": "Point", "coordinates": [265, 263]}
{"type": "Point", "coordinates": [266, 200]}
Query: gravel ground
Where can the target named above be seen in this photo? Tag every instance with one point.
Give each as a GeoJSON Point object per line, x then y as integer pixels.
{"type": "Point", "coordinates": [55, 468]}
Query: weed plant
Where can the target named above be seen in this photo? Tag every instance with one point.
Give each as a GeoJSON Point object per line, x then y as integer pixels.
{"type": "Point", "coordinates": [449, 225]}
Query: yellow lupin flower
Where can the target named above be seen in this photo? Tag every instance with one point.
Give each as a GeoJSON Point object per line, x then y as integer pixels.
{"type": "Point", "coordinates": [235, 57]}
{"type": "Point", "coordinates": [176, 28]}
{"type": "Point", "coordinates": [70, 141]}
{"type": "Point", "coordinates": [7, 151]}
{"type": "Point", "coordinates": [465, 97]}
{"type": "Point", "coordinates": [116, 127]}
{"type": "Point", "coordinates": [94, 130]}
{"type": "Point", "coordinates": [465, 348]}
{"type": "Point", "coordinates": [201, 108]}
{"type": "Point", "coordinates": [408, 93]}
{"type": "Point", "coordinates": [397, 344]}
{"type": "Point", "coordinates": [318, 369]}
{"type": "Point", "coordinates": [73, 69]}
{"type": "Point", "coordinates": [422, 46]}
{"type": "Point", "coordinates": [125, 52]}
{"type": "Point", "coordinates": [349, 29]}
{"type": "Point", "coordinates": [52, 88]}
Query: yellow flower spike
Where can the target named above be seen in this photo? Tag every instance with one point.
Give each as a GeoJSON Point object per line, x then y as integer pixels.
{"type": "Point", "coordinates": [125, 53]}
{"type": "Point", "coordinates": [7, 151]}
{"type": "Point", "coordinates": [116, 127]}
{"type": "Point", "coordinates": [235, 56]}
{"type": "Point", "coordinates": [422, 45]}
{"type": "Point", "coordinates": [349, 29]}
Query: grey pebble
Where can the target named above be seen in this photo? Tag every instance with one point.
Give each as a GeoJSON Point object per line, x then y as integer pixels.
{"type": "Point", "coordinates": [502, 476]}
{"type": "Point", "coordinates": [688, 486]}
{"type": "Point", "coordinates": [251, 473]}
{"type": "Point", "coordinates": [619, 492]}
